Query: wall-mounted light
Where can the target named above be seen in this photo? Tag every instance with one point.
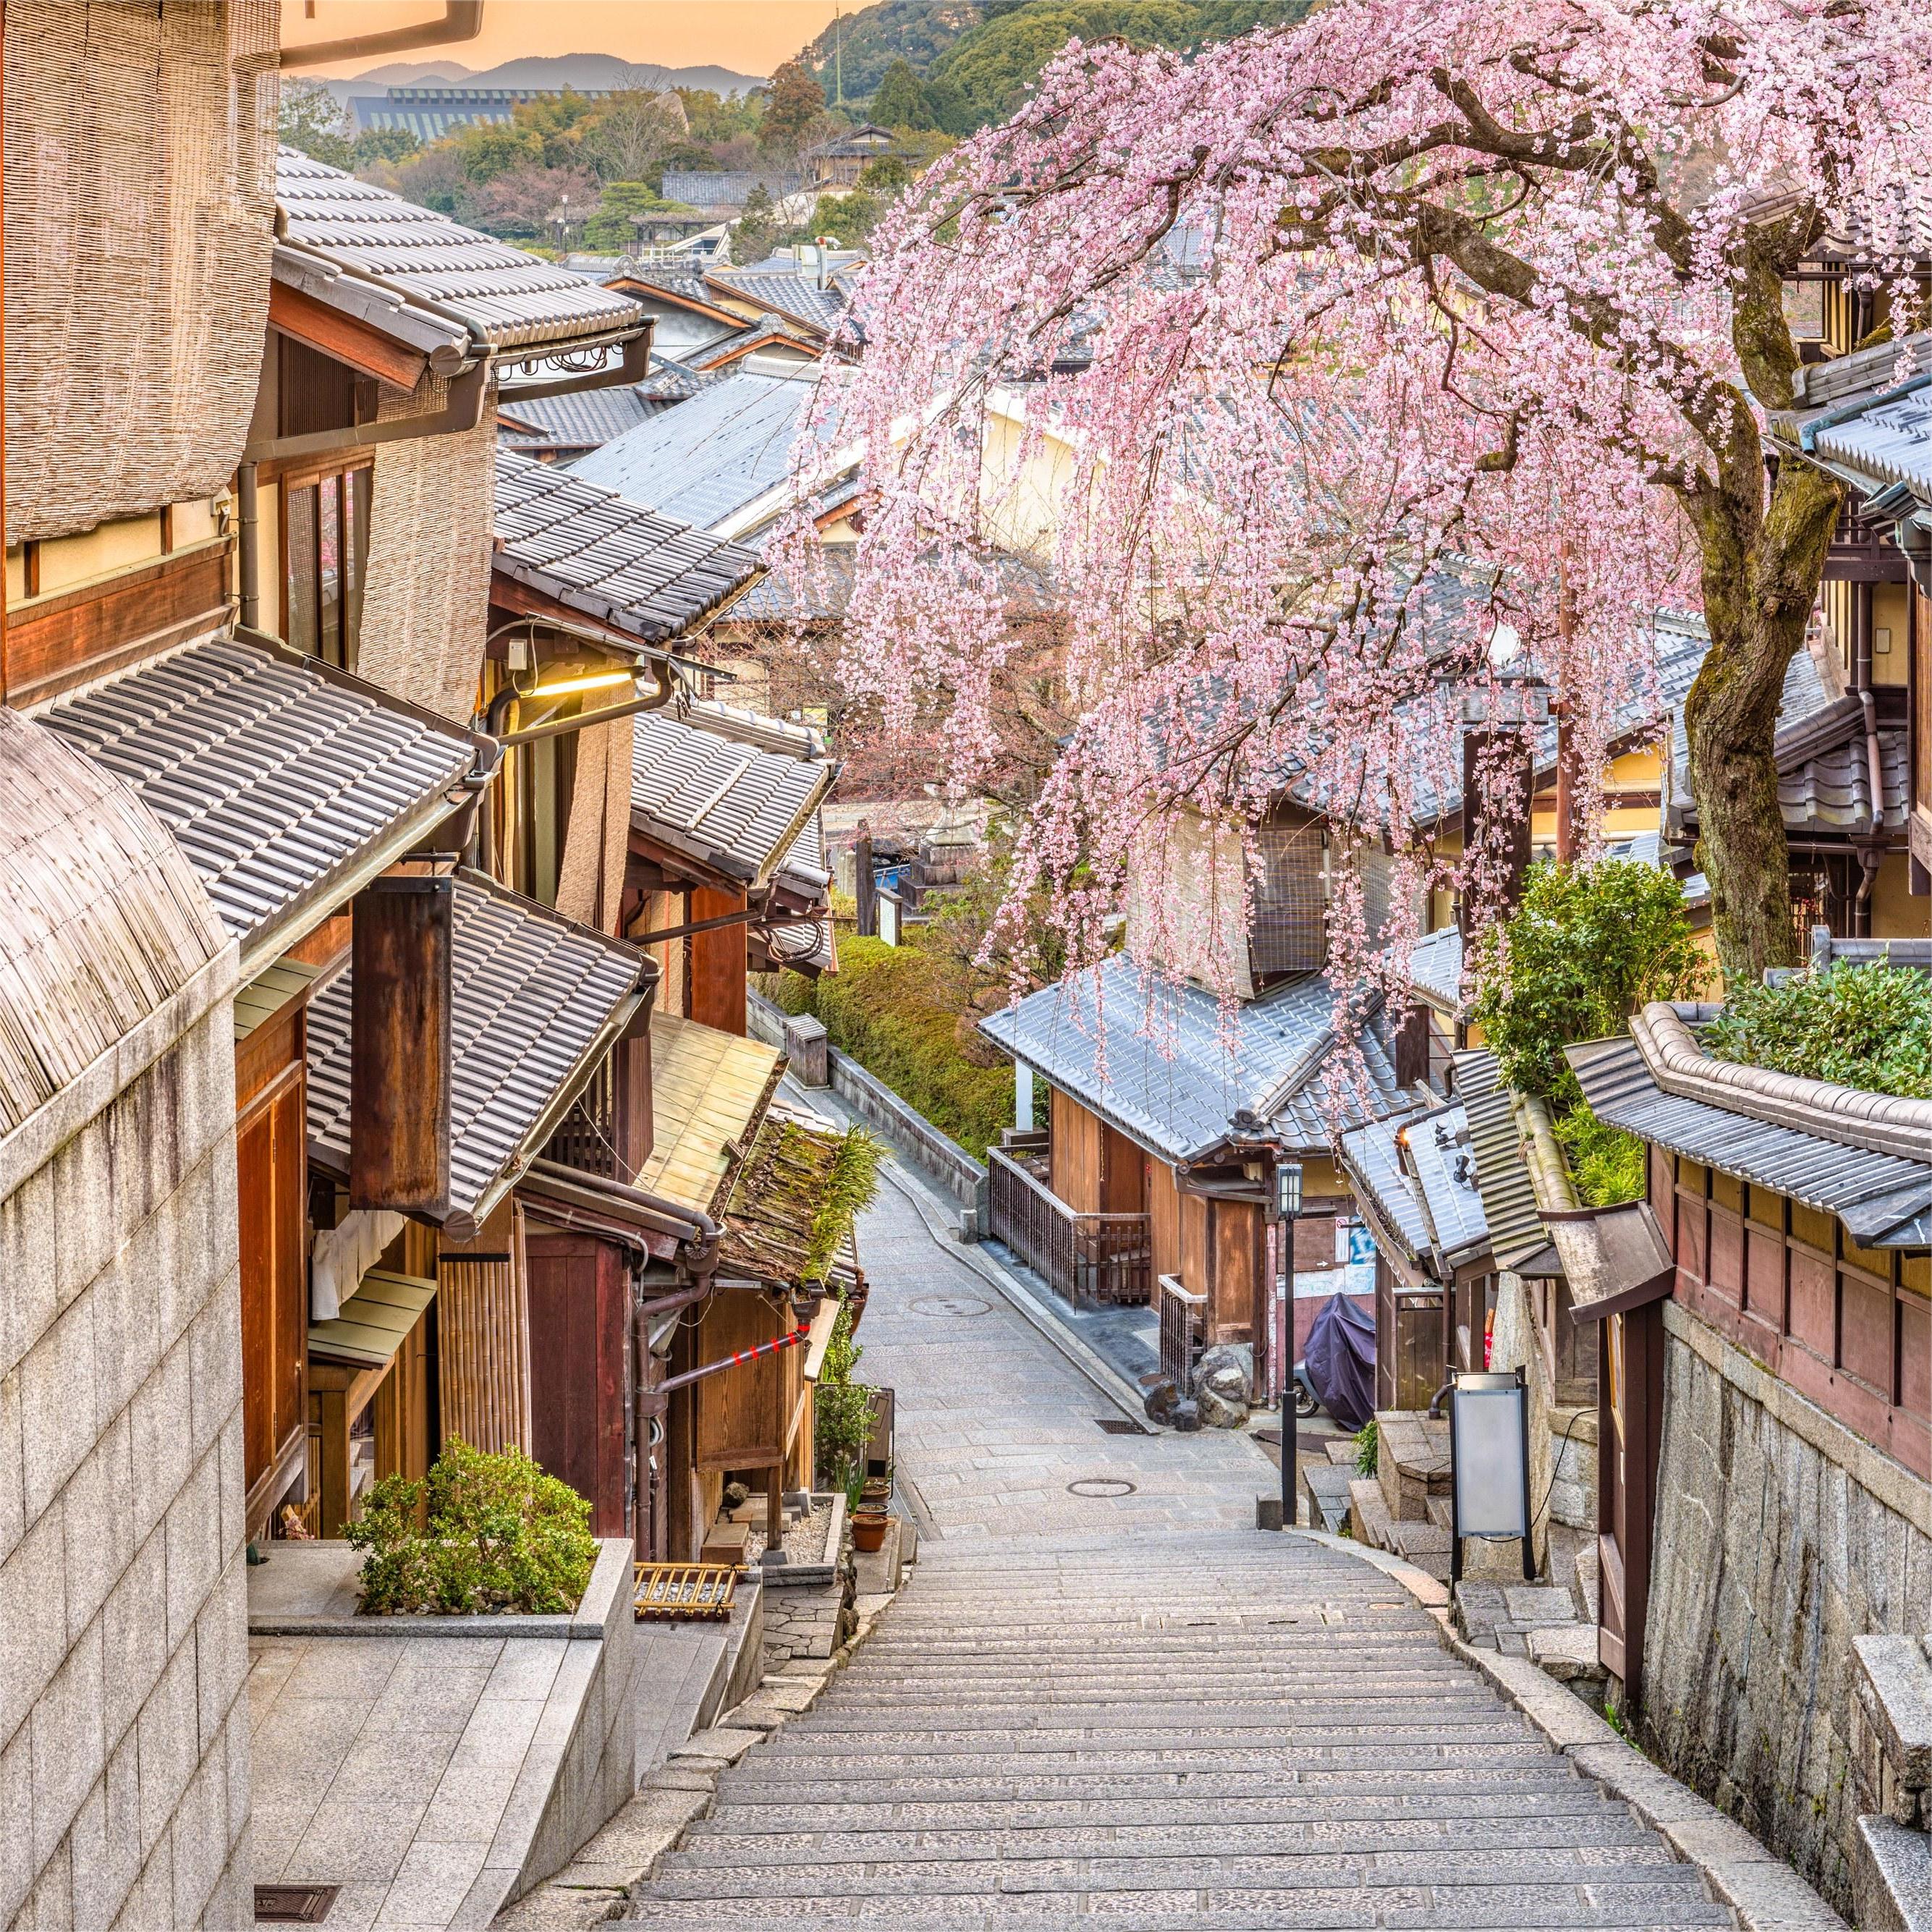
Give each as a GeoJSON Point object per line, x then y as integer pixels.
{"type": "Point", "coordinates": [566, 687]}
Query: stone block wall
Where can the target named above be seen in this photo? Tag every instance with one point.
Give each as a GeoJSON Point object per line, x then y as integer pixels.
{"type": "Point", "coordinates": [123, 1746]}
{"type": "Point", "coordinates": [1781, 1537]}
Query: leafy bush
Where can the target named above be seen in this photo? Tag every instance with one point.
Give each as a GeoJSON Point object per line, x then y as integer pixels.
{"type": "Point", "coordinates": [841, 1412]}
{"type": "Point", "coordinates": [1368, 1447]}
{"type": "Point", "coordinates": [1587, 947]}
{"type": "Point", "coordinates": [1864, 1026]}
{"type": "Point", "coordinates": [500, 1535]}
{"type": "Point", "coordinates": [1605, 1163]}
{"type": "Point", "coordinates": [901, 1012]}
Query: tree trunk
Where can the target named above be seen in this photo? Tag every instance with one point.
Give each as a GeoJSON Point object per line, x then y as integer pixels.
{"type": "Point", "coordinates": [1761, 575]}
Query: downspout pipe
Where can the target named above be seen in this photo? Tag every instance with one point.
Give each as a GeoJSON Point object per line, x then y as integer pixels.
{"type": "Point", "coordinates": [248, 546]}
{"type": "Point", "coordinates": [462, 20]}
{"type": "Point", "coordinates": [1861, 687]}
{"type": "Point", "coordinates": [691, 1223]}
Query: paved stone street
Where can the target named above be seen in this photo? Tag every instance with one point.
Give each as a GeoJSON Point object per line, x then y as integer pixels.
{"type": "Point", "coordinates": [1129, 1708]}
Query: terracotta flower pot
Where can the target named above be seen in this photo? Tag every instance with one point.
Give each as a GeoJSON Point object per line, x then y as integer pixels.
{"type": "Point", "coordinates": [868, 1528]}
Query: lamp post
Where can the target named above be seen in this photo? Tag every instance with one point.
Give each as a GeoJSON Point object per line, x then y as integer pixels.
{"type": "Point", "coordinates": [1287, 1205]}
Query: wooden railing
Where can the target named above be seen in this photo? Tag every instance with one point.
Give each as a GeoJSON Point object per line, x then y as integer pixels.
{"type": "Point", "coordinates": [586, 1137]}
{"type": "Point", "coordinates": [1094, 1260]}
{"type": "Point", "coordinates": [1182, 1313]}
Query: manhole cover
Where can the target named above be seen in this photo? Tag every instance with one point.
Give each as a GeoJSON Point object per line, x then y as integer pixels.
{"type": "Point", "coordinates": [1100, 1486]}
{"type": "Point", "coordinates": [1120, 1425]}
{"type": "Point", "coordinates": [958, 1306]}
{"type": "Point", "coordinates": [293, 1904]}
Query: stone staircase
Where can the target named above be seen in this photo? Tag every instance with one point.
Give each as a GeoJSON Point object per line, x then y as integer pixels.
{"type": "Point", "coordinates": [1169, 1730]}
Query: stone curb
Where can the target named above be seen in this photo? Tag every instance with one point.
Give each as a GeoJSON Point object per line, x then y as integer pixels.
{"type": "Point", "coordinates": [609, 1869]}
{"type": "Point", "coordinates": [1766, 1894]}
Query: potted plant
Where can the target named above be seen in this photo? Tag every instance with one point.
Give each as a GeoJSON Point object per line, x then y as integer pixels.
{"type": "Point", "coordinates": [868, 1526]}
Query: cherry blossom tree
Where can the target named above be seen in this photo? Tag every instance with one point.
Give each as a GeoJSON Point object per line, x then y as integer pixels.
{"type": "Point", "coordinates": [1347, 350]}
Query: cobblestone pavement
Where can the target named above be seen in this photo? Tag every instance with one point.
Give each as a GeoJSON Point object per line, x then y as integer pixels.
{"type": "Point", "coordinates": [1132, 1710]}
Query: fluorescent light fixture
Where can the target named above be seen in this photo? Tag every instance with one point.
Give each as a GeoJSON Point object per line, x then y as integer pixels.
{"type": "Point", "coordinates": [565, 687]}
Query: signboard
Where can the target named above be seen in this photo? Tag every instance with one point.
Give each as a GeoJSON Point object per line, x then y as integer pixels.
{"type": "Point", "coordinates": [1489, 1458]}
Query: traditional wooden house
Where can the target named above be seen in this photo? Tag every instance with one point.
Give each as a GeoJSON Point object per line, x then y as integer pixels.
{"type": "Point", "coordinates": [1765, 1478]}
{"type": "Point", "coordinates": [1865, 419]}
{"type": "Point", "coordinates": [839, 162]}
{"type": "Point", "coordinates": [1167, 1116]}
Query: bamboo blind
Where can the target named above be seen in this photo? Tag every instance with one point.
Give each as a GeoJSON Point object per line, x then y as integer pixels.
{"type": "Point", "coordinates": [590, 888]}
{"type": "Point", "coordinates": [102, 921]}
{"type": "Point", "coordinates": [139, 219]}
{"type": "Point", "coordinates": [425, 607]}
{"type": "Point", "coordinates": [483, 1344]}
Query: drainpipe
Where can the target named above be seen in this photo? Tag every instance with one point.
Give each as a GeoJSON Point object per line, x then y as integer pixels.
{"type": "Point", "coordinates": [462, 20]}
{"type": "Point", "coordinates": [1862, 686]}
{"type": "Point", "coordinates": [248, 546]}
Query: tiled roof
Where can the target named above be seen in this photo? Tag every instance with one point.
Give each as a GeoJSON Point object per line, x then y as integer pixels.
{"type": "Point", "coordinates": [587, 420]}
{"type": "Point", "coordinates": [1420, 1172]}
{"type": "Point", "coordinates": [510, 299]}
{"type": "Point", "coordinates": [715, 188]}
{"type": "Point", "coordinates": [710, 456]}
{"type": "Point", "coordinates": [1824, 771]}
{"type": "Point", "coordinates": [536, 1002]}
{"type": "Point", "coordinates": [1369, 1156]}
{"type": "Point", "coordinates": [716, 356]}
{"type": "Point", "coordinates": [279, 780]}
{"type": "Point", "coordinates": [739, 808]}
{"type": "Point", "coordinates": [1884, 1199]}
{"type": "Point", "coordinates": [1867, 416]}
{"type": "Point", "coordinates": [1517, 1236]}
{"type": "Point", "coordinates": [1161, 1060]}
{"type": "Point", "coordinates": [1436, 967]}
{"type": "Point", "coordinates": [671, 381]}
{"type": "Point", "coordinates": [641, 573]}
{"type": "Point", "coordinates": [709, 1092]}
{"type": "Point", "coordinates": [786, 291]}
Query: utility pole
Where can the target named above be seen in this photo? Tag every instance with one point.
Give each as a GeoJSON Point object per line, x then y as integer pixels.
{"type": "Point", "coordinates": [838, 55]}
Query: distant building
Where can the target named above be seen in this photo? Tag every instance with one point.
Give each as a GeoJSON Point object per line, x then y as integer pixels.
{"type": "Point", "coordinates": [430, 113]}
{"type": "Point", "coordinates": [839, 162]}
{"type": "Point", "coordinates": [722, 193]}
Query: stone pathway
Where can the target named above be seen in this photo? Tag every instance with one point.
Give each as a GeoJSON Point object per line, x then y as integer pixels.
{"type": "Point", "coordinates": [1104, 1700]}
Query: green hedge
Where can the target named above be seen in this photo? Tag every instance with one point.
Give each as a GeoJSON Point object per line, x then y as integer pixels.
{"type": "Point", "coordinates": [897, 1010]}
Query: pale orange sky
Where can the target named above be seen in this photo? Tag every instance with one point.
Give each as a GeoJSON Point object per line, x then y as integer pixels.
{"type": "Point", "coordinates": [747, 36]}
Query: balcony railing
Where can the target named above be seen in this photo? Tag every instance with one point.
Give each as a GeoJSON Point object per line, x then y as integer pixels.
{"type": "Point", "coordinates": [1182, 1314]}
{"type": "Point", "coordinates": [1093, 1260]}
{"type": "Point", "coordinates": [586, 1137]}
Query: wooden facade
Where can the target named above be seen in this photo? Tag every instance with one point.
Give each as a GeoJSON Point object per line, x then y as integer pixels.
{"type": "Point", "coordinates": [1849, 1328]}
{"type": "Point", "coordinates": [581, 1370]}
{"type": "Point", "coordinates": [271, 1144]}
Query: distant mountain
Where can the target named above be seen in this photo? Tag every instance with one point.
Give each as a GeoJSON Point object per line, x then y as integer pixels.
{"type": "Point", "coordinates": [862, 45]}
{"type": "Point", "coordinates": [559, 70]}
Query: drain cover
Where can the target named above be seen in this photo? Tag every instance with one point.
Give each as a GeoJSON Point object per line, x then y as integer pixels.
{"type": "Point", "coordinates": [1100, 1486]}
{"type": "Point", "coordinates": [958, 1307]}
{"type": "Point", "coordinates": [1120, 1425]}
{"type": "Point", "coordinates": [293, 1904]}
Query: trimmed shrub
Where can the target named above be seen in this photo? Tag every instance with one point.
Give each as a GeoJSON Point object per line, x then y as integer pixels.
{"type": "Point", "coordinates": [1864, 1026]}
{"type": "Point", "coordinates": [1606, 1163]}
{"type": "Point", "coordinates": [903, 1014]}
{"type": "Point", "coordinates": [500, 1535]}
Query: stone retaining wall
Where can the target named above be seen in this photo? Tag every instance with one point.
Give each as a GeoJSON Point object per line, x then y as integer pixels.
{"type": "Point", "coordinates": [1781, 1537]}
{"type": "Point", "coordinates": [124, 1747]}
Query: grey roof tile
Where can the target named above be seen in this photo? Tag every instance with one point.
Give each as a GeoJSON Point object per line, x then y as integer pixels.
{"type": "Point", "coordinates": [711, 456]}
{"type": "Point", "coordinates": [1882, 1198]}
{"type": "Point", "coordinates": [1369, 1157]}
{"type": "Point", "coordinates": [788, 291]}
{"type": "Point", "coordinates": [511, 299]}
{"type": "Point", "coordinates": [644, 575]}
{"type": "Point", "coordinates": [1163, 1062]}
{"type": "Point", "coordinates": [574, 424]}
{"type": "Point", "coordinates": [1420, 1170]}
{"type": "Point", "coordinates": [1436, 967]}
{"type": "Point", "coordinates": [705, 188]}
{"type": "Point", "coordinates": [737, 806]}
{"type": "Point", "coordinates": [275, 778]}
{"type": "Point", "coordinates": [532, 996]}
{"type": "Point", "coordinates": [1517, 1236]}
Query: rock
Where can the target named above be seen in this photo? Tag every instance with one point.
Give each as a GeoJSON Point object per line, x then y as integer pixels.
{"type": "Point", "coordinates": [1186, 1419]}
{"type": "Point", "coordinates": [1161, 1400]}
{"type": "Point", "coordinates": [1222, 1381]}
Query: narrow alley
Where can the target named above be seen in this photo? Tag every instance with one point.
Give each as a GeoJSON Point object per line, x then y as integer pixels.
{"type": "Point", "coordinates": [1103, 1696]}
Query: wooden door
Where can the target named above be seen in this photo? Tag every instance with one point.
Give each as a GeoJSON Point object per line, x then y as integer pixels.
{"type": "Point", "coordinates": [579, 1352]}
{"type": "Point", "coordinates": [1630, 1423]}
{"type": "Point", "coordinates": [271, 1174]}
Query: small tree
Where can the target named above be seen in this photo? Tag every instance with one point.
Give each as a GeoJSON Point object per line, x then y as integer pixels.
{"type": "Point", "coordinates": [1587, 947]}
{"type": "Point", "coordinates": [628, 135]}
{"type": "Point", "coordinates": [899, 100]}
{"type": "Point", "coordinates": [312, 120]}
{"type": "Point", "coordinates": [841, 1412]}
{"type": "Point", "coordinates": [794, 105]}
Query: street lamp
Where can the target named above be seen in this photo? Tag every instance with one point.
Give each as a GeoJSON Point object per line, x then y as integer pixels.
{"type": "Point", "coordinates": [1287, 1205]}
